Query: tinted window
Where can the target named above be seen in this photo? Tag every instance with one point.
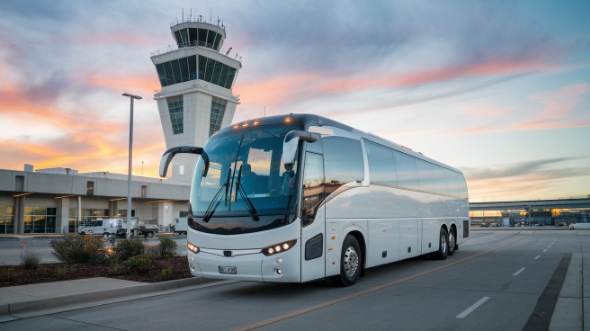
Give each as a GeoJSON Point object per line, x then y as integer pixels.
{"type": "Point", "coordinates": [313, 186]}
{"type": "Point", "coordinates": [406, 170]}
{"type": "Point", "coordinates": [426, 176]}
{"type": "Point", "coordinates": [381, 164]}
{"type": "Point", "coordinates": [343, 161]}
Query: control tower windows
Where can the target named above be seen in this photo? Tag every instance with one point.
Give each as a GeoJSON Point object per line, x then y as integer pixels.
{"type": "Point", "coordinates": [217, 111]}
{"type": "Point", "coordinates": [202, 66]}
{"type": "Point", "coordinates": [185, 69]}
{"type": "Point", "coordinates": [175, 106]}
{"type": "Point", "coordinates": [190, 37]}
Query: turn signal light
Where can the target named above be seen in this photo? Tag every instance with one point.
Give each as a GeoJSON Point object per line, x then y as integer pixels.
{"type": "Point", "coordinates": [192, 248]}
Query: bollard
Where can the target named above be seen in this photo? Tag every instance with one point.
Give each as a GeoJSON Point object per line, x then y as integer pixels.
{"type": "Point", "coordinates": [23, 249]}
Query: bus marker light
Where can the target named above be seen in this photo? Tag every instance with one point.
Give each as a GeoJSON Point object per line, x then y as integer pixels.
{"type": "Point", "coordinates": [333, 237]}
{"type": "Point", "coordinates": [330, 248]}
{"type": "Point", "coordinates": [278, 271]}
{"type": "Point", "coordinates": [279, 260]}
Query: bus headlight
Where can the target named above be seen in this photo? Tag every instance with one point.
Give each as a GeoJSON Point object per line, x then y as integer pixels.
{"type": "Point", "coordinates": [192, 248]}
{"type": "Point", "coordinates": [279, 248]}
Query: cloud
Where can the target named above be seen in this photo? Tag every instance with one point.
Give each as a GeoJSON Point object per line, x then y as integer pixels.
{"type": "Point", "coordinates": [544, 178]}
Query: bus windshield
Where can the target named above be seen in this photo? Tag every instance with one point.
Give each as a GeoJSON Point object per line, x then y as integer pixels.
{"type": "Point", "coordinates": [240, 184]}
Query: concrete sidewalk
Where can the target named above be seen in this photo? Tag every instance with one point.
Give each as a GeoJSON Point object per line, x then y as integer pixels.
{"type": "Point", "coordinates": [46, 298]}
{"type": "Point", "coordinates": [569, 313]}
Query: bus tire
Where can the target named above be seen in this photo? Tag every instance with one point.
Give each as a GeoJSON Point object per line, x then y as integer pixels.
{"type": "Point", "coordinates": [350, 262]}
{"type": "Point", "coordinates": [106, 235]}
{"type": "Point", "coordinates": [443, 247]}
{"type": "Point", "coordinates": [452, 242]}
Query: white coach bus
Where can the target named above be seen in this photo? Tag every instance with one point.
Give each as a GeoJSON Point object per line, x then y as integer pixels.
{"type": "Point", "coordinates": [297, 198]}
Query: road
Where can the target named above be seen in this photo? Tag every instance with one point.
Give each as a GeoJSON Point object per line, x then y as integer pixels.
{"type": "Point", "coordinates": [496, 281]}
{"type": "Point", "coordinates": [12, 249]}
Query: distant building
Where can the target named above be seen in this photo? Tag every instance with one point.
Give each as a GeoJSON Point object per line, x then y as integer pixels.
{"type": "Point", "coordinates": [559, 212]}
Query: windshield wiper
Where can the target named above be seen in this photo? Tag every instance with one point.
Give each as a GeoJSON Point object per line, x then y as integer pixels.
{"type": "Point", "coordinates": [216, 200]}
{"type": "Point", "coordinates": [249, 204]}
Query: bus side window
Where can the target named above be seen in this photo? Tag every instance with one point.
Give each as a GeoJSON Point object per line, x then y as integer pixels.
{"type": "Point", "coordinates": [344, 161]}
{"type": "Point", "coordinates": [313, 186]}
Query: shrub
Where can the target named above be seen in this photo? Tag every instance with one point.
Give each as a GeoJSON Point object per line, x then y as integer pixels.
{"type": "Point", "coordinates": [128, 248]}
{"type": "Point", "coordinates": [167, 247]}
{"type": "Point", "coordinates": [140, 263]}
{"type": "Point", "coordinates": [31, 260]}
{"type": "Point", "coordinates": [78, 249]}
{"type": "Point", "coordinates": [166, 274]}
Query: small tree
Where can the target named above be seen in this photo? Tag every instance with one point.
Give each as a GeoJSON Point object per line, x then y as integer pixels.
{"type": "Point", "coordinates": [167, 247]}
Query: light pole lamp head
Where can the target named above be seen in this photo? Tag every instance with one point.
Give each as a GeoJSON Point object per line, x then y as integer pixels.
{"type": "Point", "coordinates": [132, 96]}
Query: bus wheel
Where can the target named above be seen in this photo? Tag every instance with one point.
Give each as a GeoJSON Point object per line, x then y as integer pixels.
{"type": "Point", "coordinates": [452, 242]}
{"type": "Point", "coordinates": [350, 262]}
{"type": "Point", "coordinates": [443, 248]}
{"type": "Point", "coordinates": [106, 235]}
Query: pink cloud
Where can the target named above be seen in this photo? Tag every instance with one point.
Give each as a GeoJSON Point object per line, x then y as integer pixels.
{"type": "Point", "coordinates": [144, 84]}
{"type": "Point", "coordinates": [118, 37]}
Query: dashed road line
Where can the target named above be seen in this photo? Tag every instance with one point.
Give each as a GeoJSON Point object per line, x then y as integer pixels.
{"type": "Point", "coordinates": [473, 307]}
{"type": "Point", "coordinates": [518, 271]}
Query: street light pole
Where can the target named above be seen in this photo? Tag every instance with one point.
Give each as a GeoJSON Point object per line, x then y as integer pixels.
{"type": "Point", "coordinates": [131, 97]}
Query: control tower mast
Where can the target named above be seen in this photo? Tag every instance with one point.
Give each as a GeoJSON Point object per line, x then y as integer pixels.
{"type": "Point", "coordinates": [196, 99]}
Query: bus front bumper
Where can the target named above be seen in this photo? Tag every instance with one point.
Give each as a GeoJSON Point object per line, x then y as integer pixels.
{"type": "Point", "coordinates": [243, 265]}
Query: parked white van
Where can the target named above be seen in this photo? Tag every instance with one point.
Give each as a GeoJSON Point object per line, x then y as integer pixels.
{"type": "Point", "coordinates": [105, 227]}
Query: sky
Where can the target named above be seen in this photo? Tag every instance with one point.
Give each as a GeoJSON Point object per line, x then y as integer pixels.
{"type": "Point", "coordinates": [497, 89]}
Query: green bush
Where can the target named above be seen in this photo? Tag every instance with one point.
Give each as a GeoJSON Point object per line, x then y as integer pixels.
{"type": "Point", "coordinates": [78, 249]}
{"type": "Point", "coordinates": [166, 274]}
{"type": "Point", "coordinates": [167, 247]}
{"type": "Point", "coordinates": [128, 248]}
{"type": "Point", "coordinates": [141, 263]}
{"type": "Point", "coordinates": [31, 260]}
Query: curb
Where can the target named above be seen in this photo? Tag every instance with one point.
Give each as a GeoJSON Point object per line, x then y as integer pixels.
{"type": "Point", "coordinates": [10, 309]}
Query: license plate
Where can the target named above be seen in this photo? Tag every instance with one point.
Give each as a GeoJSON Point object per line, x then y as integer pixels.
{"type": "Point", "coordinates": [228, 270]}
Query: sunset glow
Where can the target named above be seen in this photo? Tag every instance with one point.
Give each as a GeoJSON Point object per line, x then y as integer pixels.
{"type": "Point", "coordinates": [498, 90]}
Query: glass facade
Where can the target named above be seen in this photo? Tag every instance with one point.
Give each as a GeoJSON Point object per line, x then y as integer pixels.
{"type": "Point", "coordinates": [189, 37]}
{"type": "Point", "coordinates": [175, 107]}
{"type": "Point", "coordinates": [73, 213]}
{"type": "Point", "coordinates": [89, 215]}
{"type": "Point", "coordinates": [40, 220]}
{"type": "Point", "coordinates": [6, 219]}
{"type": "Point", "coordinates": [185, 69]}
{"type": "Point", "coordinates": [217, 112]}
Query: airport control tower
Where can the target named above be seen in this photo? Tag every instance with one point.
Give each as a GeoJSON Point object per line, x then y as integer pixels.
{"type": "Point", "coordinates": [196, 99]}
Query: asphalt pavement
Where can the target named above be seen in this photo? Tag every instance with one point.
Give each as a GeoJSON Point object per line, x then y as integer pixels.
{"type": "Point", "coordinates": [46, 298]}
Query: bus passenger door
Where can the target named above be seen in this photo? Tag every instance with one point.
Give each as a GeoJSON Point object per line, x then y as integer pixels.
{"type": "Point", "coordinates": [313, 237]}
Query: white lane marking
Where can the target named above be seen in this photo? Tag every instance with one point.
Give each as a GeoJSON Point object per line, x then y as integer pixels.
{"type": "Point", "coordinates": [544, 251]}
{"type": "Point", "coordinates": [519, 271]}
{"type": "Point", "coordinates": [473, 307]}
{"type": "Point", "coordinates": [538, 256]}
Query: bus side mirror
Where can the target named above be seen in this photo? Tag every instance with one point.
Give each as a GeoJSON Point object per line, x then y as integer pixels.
{"type": "Point", "coordinates": [169, 155]}
{"type": "Point", "coordinates": [290, 145]}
